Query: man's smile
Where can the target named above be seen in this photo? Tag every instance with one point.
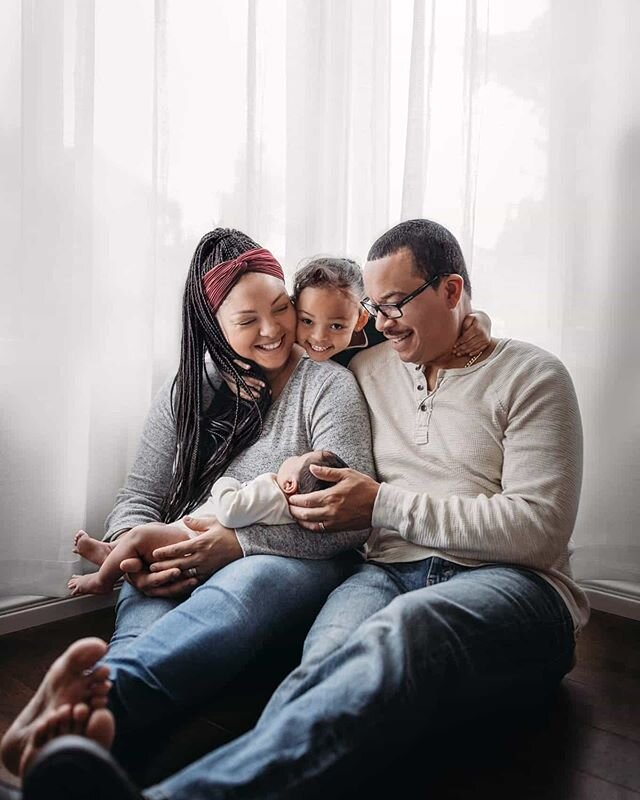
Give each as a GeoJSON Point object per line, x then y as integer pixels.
{"type": "Point", "coordinates": [397, 338]}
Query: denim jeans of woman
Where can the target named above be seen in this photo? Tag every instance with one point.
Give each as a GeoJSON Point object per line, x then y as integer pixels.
{"type": "Point", "coordinates": [168, 656]}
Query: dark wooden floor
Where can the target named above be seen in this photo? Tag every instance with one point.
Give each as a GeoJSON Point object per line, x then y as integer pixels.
{"type": "Point", "coordinates": [586, 748]}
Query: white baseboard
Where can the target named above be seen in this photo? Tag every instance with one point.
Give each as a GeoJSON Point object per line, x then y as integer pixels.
{"type": "Point", "coordinates": [52, 610]}
{"type": "Point", "coordinates": [612, 603]}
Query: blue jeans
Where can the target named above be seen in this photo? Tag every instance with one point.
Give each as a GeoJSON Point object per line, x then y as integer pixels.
{"type": "Point", "coordinates": [392, 643]}
{"type": "Point", "coordinates": [167, 656]}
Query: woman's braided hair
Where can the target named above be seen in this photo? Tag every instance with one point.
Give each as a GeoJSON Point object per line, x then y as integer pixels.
{"type": "Point", "coordinates": [208, 439]}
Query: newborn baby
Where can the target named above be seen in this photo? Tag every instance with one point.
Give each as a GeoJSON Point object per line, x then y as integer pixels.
{"type": "Point", "coordinates": [234, 504]}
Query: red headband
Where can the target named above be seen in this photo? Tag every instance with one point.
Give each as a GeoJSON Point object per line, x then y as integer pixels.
{"type": "Point", "coordinates": [221, 278]}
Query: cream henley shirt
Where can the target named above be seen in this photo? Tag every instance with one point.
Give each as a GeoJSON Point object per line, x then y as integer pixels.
{"type": "Point", "coordinates": [486, 468]}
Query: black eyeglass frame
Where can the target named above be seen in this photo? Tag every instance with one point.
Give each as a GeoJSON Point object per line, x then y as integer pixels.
{"type": "Point", "coordinates": [374, 308]}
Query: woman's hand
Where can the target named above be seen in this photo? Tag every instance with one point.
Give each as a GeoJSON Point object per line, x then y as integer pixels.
{"type": "Point", "coordinates": [347, 506]}
{"type": "Point", "coordinates": [163, 583]}
{"type": "Point", "coordinates": [213, 548]}
{"type": "Point", "coordinates": [475, 335]}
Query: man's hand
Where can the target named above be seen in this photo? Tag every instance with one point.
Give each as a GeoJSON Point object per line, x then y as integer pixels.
{"type": "Point", "coordinates": [213, 548]}
{"type": "Point", "coordinates": [347, 506]}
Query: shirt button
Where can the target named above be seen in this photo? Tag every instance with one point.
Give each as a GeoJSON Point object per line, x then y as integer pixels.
{"type": "Point", "coordinates": [419, 387]}
{"type": "Point", "coordinates": [423, 407]}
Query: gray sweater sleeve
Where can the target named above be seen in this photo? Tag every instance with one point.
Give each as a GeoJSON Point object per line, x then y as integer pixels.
{"type": "Point", "coordinates": [140, 499]}
{"type": "Point", "coordinates": [148, 480]}
{"type": "Point", "coordinates": [337, 420]}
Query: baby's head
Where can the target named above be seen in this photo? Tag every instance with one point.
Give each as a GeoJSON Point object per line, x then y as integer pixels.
{"type": "Point", "coordinates": [327, 294]}
{"type": "Point", "coordinates": [295, 477]}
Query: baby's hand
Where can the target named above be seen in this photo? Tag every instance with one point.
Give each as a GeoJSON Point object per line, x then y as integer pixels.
{"type": "Point", "coordinates": [199, 525]}
{"type": "Point", "coordinates": [475, 335]}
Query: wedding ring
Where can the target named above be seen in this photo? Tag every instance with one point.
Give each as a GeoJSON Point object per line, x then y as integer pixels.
{"type": "Point", "coordinates": [191, 572]}
{"type": "Point", "coordinates": [321, 526]}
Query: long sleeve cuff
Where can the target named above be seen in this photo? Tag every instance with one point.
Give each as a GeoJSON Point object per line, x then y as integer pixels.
{"type": "Point", "coordinates": [388, 507]}
{"type": "Point", "coordinates": [113, 535]}
{"type": "Point", "coordinates": [242, 542]}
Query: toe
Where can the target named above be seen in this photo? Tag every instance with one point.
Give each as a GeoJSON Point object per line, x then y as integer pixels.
{"type": "Point", "coordinates": [101, 727]}
{"type": "Point", "coordinates": [100, 689]}
{"type": "Point", "coordinates": [41, 732]}
{"type": "Point", "coordinates": [83, 654]}
{"type": "Point", "coordinates": [100, 674]}
{"type": "Point", "coordinates": [63, 721]}
{"type": "Point", "coordinates": [79, 717]}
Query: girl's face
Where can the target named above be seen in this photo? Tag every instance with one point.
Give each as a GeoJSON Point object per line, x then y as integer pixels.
{"type": "Point", "coordinates": [259, 321]}
{"type": "Point", "coordinates": [327, 319]}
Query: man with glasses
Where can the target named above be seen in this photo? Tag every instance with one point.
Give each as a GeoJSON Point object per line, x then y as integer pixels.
{"type": "Point", "coordinates": [466, 598]}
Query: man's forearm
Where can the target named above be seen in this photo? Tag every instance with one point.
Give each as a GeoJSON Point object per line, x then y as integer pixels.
{"type": "Point", "coordinates": [503, 528]}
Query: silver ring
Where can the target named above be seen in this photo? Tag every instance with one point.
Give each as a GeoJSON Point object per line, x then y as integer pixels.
{"type": "Point", "coordinates": [321, 526]}
{"type": "Point", "coordinates": [191, 572]}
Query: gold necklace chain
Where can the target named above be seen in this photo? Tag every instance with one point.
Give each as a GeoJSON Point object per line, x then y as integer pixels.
{"type": "Point", "coordinates": [473, 359]}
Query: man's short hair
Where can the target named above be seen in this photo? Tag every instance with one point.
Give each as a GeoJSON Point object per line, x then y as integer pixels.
{"type": "Point", "coordinates": [308, 482]}
{"type": "Point", "coordinates": [435, 250]}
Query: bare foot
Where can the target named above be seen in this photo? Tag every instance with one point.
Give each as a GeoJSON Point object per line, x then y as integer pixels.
{"type": "Point", "coordinates": [91, 549]}
{"type": "Point", "coordinates": [79, 720]}
{"type": "Point", "coordinates": [72, 681]}
{"type": "Point", "coordinates": [88, 584]}
{"type": "Point", "coordinates": [56, 722]}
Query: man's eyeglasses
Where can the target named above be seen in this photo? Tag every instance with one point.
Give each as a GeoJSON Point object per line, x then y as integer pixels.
{"type": "Point", "coordinates": [394, 310]}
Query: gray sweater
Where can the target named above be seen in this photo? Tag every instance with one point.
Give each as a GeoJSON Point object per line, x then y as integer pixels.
{"type": "Point", "coordinates": [320, 408]}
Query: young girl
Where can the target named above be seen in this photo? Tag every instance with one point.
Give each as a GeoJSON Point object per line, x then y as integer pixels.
{"type": "Point", "coordinates": [333, 324]}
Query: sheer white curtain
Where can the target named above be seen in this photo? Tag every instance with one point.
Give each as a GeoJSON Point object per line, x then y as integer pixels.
{"type": "Point", "coordinates": [130, 128]}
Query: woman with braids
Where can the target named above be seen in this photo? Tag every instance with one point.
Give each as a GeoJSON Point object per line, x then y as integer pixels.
{"type": "Point", "coordinates": [207, 606]}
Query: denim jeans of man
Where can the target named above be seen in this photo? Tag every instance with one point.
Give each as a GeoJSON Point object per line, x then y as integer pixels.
{"type": "Point", "coordinates": [167, 656]}
{"type": "Point", "coordinates": [392, 644]}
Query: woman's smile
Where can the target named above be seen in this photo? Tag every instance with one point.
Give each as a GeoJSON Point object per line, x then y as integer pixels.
{"type": "Point", "coordinates": [270, 346]}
